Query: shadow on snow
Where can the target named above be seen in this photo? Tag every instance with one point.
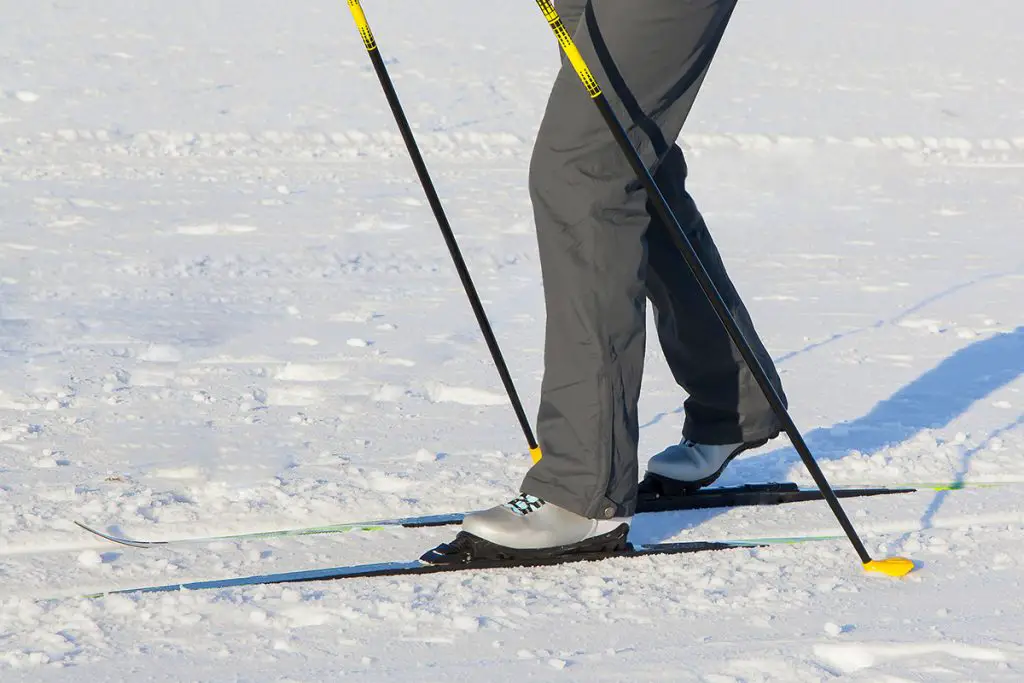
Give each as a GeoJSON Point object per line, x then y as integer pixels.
{"type": "Point", "coordinates": [931, 401]}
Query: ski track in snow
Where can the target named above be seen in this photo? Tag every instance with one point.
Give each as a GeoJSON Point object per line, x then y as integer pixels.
{"type": "Point", "coordinates": [225, 307]}
{"type": "Point", "coordinates": [168, 146]}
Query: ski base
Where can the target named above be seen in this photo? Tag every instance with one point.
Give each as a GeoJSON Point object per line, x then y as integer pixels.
{"type": "Point", "coordinates": [656, 501]}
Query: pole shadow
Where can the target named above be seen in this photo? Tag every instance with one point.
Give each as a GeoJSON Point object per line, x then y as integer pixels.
{"type": "Point", "coordinates": [931, 401]}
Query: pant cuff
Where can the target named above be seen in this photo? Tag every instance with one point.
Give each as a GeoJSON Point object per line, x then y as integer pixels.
{"type": "Point", "coordinates": [602, 508]}
{"type": "Point", "coordinates": [724, 434]}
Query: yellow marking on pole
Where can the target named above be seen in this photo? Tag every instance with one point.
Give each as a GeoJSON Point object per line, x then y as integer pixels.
{"type": "Point", "coordinates": [535, 454]}
{"type": "Point", "coordinates": [571, 51]}
{"type": "Point", "coordinates": [364, 26]}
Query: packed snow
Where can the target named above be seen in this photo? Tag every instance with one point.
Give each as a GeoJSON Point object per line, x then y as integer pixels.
{"type": "Point", "coordinates": [225, 307]}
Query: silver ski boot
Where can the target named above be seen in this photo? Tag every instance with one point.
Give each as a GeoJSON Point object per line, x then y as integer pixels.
{"type": "Point", "coordinates": [688, 466]}
{"type": "Point", "coordinates": [528, 522]}
{"type": "Point", "coordinates": [530, 530]}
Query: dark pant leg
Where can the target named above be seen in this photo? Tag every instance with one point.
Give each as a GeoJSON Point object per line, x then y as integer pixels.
{"type": "Point", "coordinates": [592, 222]}
{"type": "Point", "coordinates": [725, 403]}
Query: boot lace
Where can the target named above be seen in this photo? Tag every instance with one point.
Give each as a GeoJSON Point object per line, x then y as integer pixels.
{"type": "Point", "coordinates": [524, 504]}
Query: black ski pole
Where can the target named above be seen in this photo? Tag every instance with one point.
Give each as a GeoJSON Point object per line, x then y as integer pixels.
{"type": "Point", "coordinates": [894, 566]}
{"type": "Point", "coordinates": [442, 221]}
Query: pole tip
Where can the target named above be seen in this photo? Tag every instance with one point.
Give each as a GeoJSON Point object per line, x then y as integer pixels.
{"type": "Point", "coordinates": [535, 454]}
{"type": "Point", "coordinates": [891, 566]}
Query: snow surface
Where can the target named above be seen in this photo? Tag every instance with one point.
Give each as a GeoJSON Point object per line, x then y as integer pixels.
{"type": "Point", "coordinates": [225, 307]}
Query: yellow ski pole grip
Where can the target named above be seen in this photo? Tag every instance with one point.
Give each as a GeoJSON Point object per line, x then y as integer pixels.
{"type": "Point", "coordinates": [571, 51]}
{"type": "Point", "coordinates": [362, 24]}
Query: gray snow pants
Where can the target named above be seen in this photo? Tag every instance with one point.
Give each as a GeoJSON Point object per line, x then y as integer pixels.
{"type": "Point", "coordinates": [603, 254]}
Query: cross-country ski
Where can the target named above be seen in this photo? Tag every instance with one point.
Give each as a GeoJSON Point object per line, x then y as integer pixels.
{"type": "Point", "coordinates": [717, 497]}
{"type": "Point", "coordinates": [432, 566]}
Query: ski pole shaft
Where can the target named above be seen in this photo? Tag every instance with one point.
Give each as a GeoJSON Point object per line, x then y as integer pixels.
{"type": "Point", "coordinates": [442, 221]}
{"type": "Point", "coordinates": [892, 566]}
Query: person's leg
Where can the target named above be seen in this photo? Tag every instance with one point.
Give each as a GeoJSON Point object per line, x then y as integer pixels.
{"type": "Point", "coordinates": [725, 405]}
{"type": "Point", "coordinates": [592, 218]}
{"type": "Point", "coordinates": [726, 411]}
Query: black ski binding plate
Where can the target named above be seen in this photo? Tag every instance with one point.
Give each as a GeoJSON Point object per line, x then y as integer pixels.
{"type": "Point", "coordinates": [469, 549]}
